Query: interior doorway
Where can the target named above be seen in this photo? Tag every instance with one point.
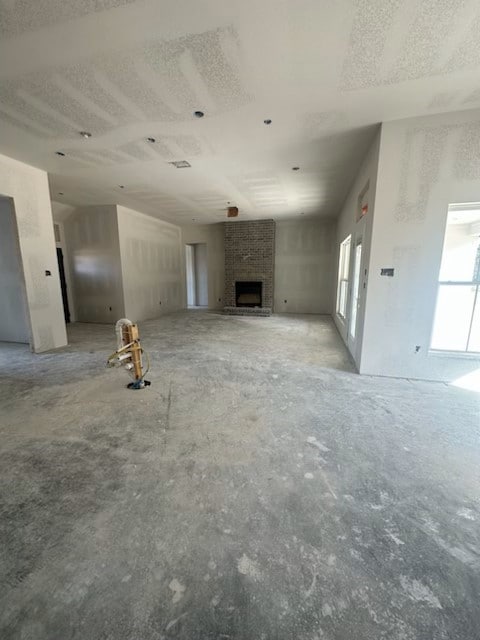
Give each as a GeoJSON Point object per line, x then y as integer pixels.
{"type": "Point", "coordinates": [14, 319]}
{"type": "Point", "coordinates": [197, 275]}
{"type": "Point", "coordinates": [63, 284]}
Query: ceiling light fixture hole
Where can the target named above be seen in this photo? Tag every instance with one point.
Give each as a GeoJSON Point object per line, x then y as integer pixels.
{"type": "Point", "coordinates": [198, 114]}
{"type": "Point", "coordinates": [85, 134]}
{"type": "Point", "coordinates": [295, 168]}
{"type": "Point", "coordinates": [267, 121]}
{"type": "Point", "coordinates": [122, 186]}
{"type": "Point", "coordinates": [59, 153]}
{"type": "Point", "coordinates": [151, 140]}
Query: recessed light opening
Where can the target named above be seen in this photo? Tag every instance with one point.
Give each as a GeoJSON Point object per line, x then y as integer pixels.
{"type": "Point", "coordinates": [151, 140]}
{"type": "Point", "coordinates": [59, 153]}
{"type": "Point", "coordinates": [198, 114]}
{"type": "Point", "coordinates": [122, 186]}
{"type": "Point", "coordinates": [85, 134]}
{"type": "Point", "coordinates": [295, 168]}
{"type": "Point", "coordinates": [267, 121]}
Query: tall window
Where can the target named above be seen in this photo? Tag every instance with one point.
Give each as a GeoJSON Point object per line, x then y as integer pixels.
{"type": "Point", "coordinates": [457, 315]}
{"type": "Point", "coordinates": [356, 289]}
{"type": "Point", "coordinates": [343, 270]}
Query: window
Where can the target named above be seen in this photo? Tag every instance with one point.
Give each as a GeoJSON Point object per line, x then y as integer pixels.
{"type": "Point", "coordinates": [356, 289]}
{"type": "Point", "coordinates": [343, 271]}
{"type": "Point", "coordinates": [457, 316]}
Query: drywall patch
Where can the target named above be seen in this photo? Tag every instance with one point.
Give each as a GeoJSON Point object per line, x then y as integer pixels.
{"type": "Point", "coordinates": [39, 296]}
{"type": "Point", "coordinates": [136, 151]}
{"type": "Point", "coordinates": [442, 100]}
{"type": "Point", "coordinates": [16, 16]}
{"type": "Point", "coordinates": [45, 339]}
{"type": "Point", "coordinates": [14, 95]}
{"type": "Point", "coordinates": [467, 54]}
{"type": "Point", "coordinates": [86, 82]}
{"type": "Point", "coordinates": [147, 82]}
{"type": "Point", "coordinates": [423, 152]}
{"type": "Point", "coordinates": [23, 124]}
{"type": "Point", "coordinates": [261, 189]}
{"type": "Point", "coordinates": [96, 157]}
{"type": "Point", "coordinates": [318, 124]}
{"type": "Point", "coordinates": [170, 146]}
{"type": "Point", "coordinates": [393, 42]}
{"type": "Point", "coordinates": [423, 46]}
{"type": "Point", "coordinates": [370, 30]}
{"type": "Point", "coordinates": [472, 98]}
{"type": "Point", "coordinates": [466, 165]}
{"type": "Point", "coordinates": [26, 208]}
{"type": "Point", "coordinates": [406, 261]}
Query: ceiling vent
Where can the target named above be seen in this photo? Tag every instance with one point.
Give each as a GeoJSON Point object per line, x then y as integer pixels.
{"type": "Point", "coordinates": [232, 212]}
{"type": "Point", "coordinates": [181, 164]}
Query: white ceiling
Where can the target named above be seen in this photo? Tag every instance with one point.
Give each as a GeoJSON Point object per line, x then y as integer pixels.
{"type": "Point", "coordinates": [324, 71]}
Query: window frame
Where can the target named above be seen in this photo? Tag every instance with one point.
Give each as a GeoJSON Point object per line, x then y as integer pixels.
{"type": "Point", "coordinates": [475, 283]}
{"type": "Point", "coordinates": [343, 278]}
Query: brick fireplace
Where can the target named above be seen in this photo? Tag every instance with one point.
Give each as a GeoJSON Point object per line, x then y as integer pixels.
{"type": "Point", "coordinates": [249, 266]}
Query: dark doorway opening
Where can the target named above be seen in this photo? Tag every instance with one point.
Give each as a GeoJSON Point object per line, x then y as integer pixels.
{"type": "Point", "coordinates": [248, 294]}
{"type": "Point", "coordinates": [63, 284]}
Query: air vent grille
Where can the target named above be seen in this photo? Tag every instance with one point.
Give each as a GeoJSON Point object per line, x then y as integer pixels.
{"type": "Point", "coordinates": [181, 164]}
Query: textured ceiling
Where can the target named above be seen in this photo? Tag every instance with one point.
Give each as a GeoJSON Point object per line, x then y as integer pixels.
{"type": "Point", "coordinates": [324, 71]}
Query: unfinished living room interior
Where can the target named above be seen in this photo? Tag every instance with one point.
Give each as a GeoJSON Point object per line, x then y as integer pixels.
{"type": "Point", "coordinates": [240, 320]}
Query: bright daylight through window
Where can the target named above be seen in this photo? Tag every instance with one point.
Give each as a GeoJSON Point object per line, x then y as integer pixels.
{"type": "Point", "coordinates": [343, 271]}
{"type": "Point", "coordinates": [457, 315]}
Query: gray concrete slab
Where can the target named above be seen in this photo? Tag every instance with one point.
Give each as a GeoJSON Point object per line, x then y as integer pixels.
{"type": "Point", "coordinates": [259, 489]}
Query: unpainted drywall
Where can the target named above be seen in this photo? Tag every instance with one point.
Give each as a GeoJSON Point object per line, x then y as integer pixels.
{"type": "Point", "coordinates": [94, 256]}
{"type": "Point", "coordinates": [212, 235]}
{"type": "Point", "coordinates": [304, 266]}
{"type": "Point", "coordinates": [28, 187]}
{"type": "Point", "coordinates": [360, 229]}
{"type": "Point", "coordinates": [152, 264]}
{"type": "Point", "coordinates": [14, 324]}
{"type": "Point", "coordinates": [425, 164]}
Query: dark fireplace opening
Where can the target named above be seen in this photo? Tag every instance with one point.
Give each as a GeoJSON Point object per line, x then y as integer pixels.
{"type": "Point", "coordinates": [248, 294]}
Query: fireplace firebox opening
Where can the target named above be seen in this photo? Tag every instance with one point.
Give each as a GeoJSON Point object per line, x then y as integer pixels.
{"type": "Point", "coordinates": [248, 294]}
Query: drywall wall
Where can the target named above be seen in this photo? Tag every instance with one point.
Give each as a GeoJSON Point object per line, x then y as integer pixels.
{"type": "Point", "coordinates": [424, 165]}
{"type": "Point", "coordinates": [14, 323]}
{"type": "Point", "coordinates": [28, 187]}
{"type": "Point", "coordinates": [360, 229]}
{"type": "Point", "coordinates": [201, 274]}
{"type": "Point", "coordinates": [304, 266]}
{"type": "Point", "coordinates": [213, 236]}
{"type": "Point", "coordinates": [152, 264]}
{"type": "Point", "coordinates": [94, 255]}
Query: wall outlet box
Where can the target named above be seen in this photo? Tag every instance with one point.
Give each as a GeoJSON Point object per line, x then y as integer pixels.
{"type": "Point", "coordinates": [388, 271]}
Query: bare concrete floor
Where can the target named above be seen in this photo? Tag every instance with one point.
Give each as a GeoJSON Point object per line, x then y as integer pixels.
{"type": "Point", "coordinates": [259, 489]}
